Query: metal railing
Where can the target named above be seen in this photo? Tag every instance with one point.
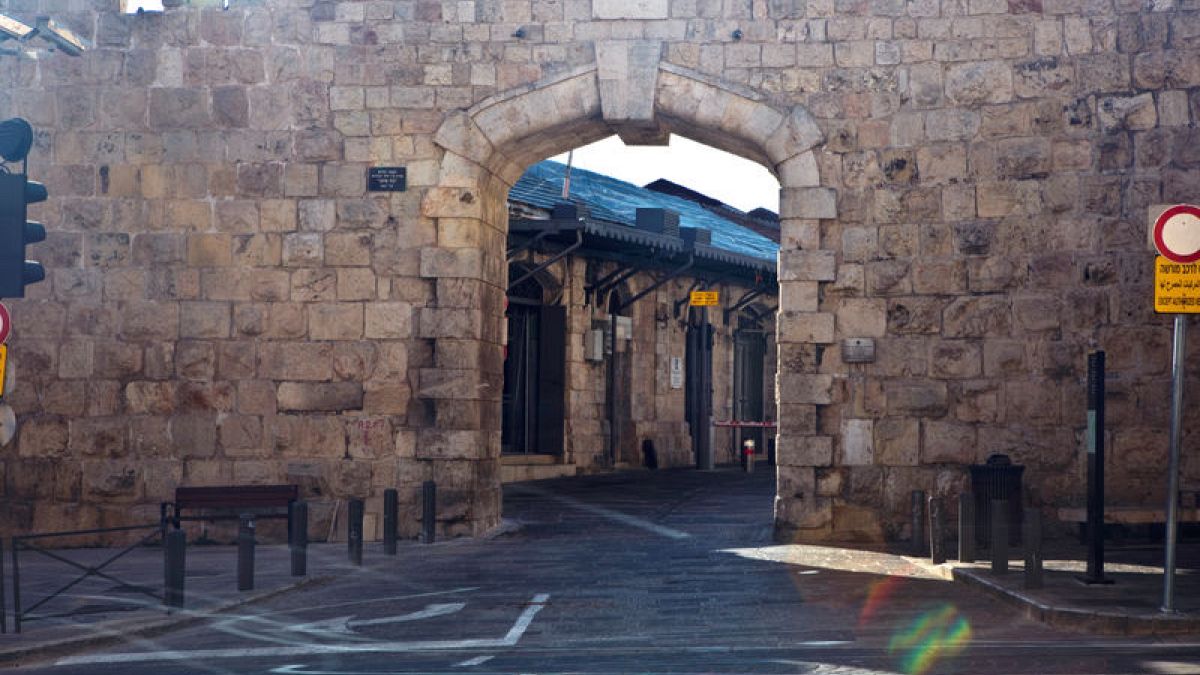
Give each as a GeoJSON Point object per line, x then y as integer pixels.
{"type": "Point", "coordinates": [23, 543]}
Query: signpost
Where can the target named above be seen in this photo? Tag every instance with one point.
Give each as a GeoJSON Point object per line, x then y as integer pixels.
{"type": "Point", "coordinates": [1176, 236]}
{"type": "Point", "coordinates": [705, 298]}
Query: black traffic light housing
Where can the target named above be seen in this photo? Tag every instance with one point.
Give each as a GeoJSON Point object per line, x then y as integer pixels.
{"type": "Point", "coordinates": [17, 192]}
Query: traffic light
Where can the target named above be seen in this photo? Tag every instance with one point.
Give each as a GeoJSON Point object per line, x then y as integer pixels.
{"type": "Point", "coordinates": [16, 193]}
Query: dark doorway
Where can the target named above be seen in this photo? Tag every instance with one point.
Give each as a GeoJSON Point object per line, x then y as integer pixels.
{"type": "Point", "coordinates": [698, 388]}
{"type": "Point", "coordinates": [625, 448]}
{"type": "Point", "coordinates": [534, 372]}
{"type": "Point", "coordinates": [749, 350]}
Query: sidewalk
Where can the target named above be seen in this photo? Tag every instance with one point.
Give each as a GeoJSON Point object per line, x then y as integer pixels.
{"type": "Point", "coordinates": [99, 611]}
{"type": "Point", "coordinates": [1128, 606]}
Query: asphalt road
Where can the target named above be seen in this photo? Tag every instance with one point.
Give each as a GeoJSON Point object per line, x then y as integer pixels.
{"type": "Point", "coordinates": [648, 572]}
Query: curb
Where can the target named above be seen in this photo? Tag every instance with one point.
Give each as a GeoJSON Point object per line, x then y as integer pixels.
{"type": "Point", "coordinates": [114, 632]}
{"type": "Point", "coordinates": [1082, 620]}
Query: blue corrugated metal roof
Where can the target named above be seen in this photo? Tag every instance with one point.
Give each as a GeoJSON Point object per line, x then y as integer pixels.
{"type": "Point", "coordinates": [617, 201]}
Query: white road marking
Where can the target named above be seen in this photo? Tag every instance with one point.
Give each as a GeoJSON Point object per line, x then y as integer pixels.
{"type": "Point", "coordinates": [616, 516]}
{"type": "Point", "coordinates": [509, 640]}
{"type": "Point", "coordinates": [345, 625]}
{"type": "Point", "coordinates": [477, 661]}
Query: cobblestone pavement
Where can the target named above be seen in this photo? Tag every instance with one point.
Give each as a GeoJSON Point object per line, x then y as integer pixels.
{"type": "Point", "coordinates": [671, 571]}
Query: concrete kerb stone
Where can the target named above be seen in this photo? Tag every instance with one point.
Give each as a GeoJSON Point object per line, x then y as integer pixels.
{"type": "Point", "coordinates": [115, 632]}
{"type": "Point", "coordinates": [1067, 618]}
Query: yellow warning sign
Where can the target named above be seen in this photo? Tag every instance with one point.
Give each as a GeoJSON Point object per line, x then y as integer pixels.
{"type": "Point", "coordinates": [1176, 287]}
{"type": "Point", "coordinates": [3, 367]}
{"type": "Point", "coordinates": [705, 298]}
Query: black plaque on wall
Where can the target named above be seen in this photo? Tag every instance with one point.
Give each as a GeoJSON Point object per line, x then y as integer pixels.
{"type": "Point", "coordinates": [387, 179]}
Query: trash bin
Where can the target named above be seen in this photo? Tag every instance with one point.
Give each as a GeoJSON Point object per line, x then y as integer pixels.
{"type": "Point", "coordinates": [998, 478]}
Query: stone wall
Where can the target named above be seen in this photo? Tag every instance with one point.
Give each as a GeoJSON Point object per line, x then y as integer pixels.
{"type": "Point", "coordinates": [965, 181]}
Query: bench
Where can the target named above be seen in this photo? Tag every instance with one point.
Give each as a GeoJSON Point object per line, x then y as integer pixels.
{"type": "Point", "coordinates": [230, 497]}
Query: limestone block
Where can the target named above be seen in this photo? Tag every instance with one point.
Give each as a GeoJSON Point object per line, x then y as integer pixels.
{"type": "Point", "coordinates": [1135, 113]}
{"type": "Point", "coordinates": [319, 396]}
{"type": "Point", "coordinates": [627, 72]}
{"type": "Point", "coordinates": [799, 296]}
{"type": "Point", "coordinates": [386, 399]}
{"type": "Point", "coordinates": [799, 233]}
{"type": "Point", "coordinates": [915, 397]}
{"type": "Point", "coordinates": [335, 321]}
{"type": "Point", "coordinates": [803, 450]}
{"type": "Point", "coordinates": [901, 357]}
{"type": "Point", "coordinates": [977, 316]}
{"type": "Point", "coordinates": [239, 433]}
{"type": "Point", "coordinates": [630, 9]}
{"type": "Point", "coordinates": [317, 215]}
{"type": "Point", "coordinates": [897, 441]}
{"type": "Point", "coordinates": [807, 265]}
{"type": "Point", "coordinates": [356, 284]}
{"type": "Point", "coordinates": [939, 276]}
{"type": "Point", "coordinates": [979, 82]}
{"type": "Point", "coordinates": [314, 285]}
{"type": "Point", "coordinates": [459, 262]}
{"type": "Point", "coordinates": [204, 320]}
{"type": "Point", "coordinates": [148, 321]}
{"type": "Point", "coordinates": [979, 401]}
{"type": "Point", "coordinates": [1032, 401]}
{"type": "Point", "coordinates": [798, 133]}
{"type": "Point", "coordinates": [111, 481]}
{"type": "Point", "coordinates": [857, 442]}
{"type": "Point", "coordinates": [947, 442]}
{"type": "Point", "coordinates": [805, 388]}
{"type": "Point", "coordinates": [888, 277]}
{"type": "Point", "coordinates": [194, 434]}
{"type": "Point", "coordinates": [955, 359]}
{"type": "Point", "coordinates": [308, 361]}
{"type": "Point", "coordinates": [862, 317]}
{"type": "Point", "coordinates": [1045, 76]}
{"type": "Point", "coordinates": [209, 250]}
{"type": "Point", "coordinates": [799, 171]}
{"type": "Point", "coordinates": [178, 108]}
{"type": "Point", "coordinates": [150, 398]}
{"type": "Point", "coordinates": [816, 327]}
{"type": "Point", "coordinates": [951, 124]}
{"type": "Point", "coordinates": [1004, 357]}
{"type": "Point", "coordinates": [797, 419]}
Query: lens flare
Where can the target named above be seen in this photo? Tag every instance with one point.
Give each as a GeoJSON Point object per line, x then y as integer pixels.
{"type": "Point", "coordinates": [878, 595]}
{"type": "Point", "coordinates": [936, 635]}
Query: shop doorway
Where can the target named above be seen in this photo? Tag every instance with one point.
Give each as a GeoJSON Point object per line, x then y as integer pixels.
{"type": "Point", "coordinates": [534, 371]}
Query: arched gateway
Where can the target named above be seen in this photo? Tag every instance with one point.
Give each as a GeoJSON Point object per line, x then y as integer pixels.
{"type": "Point", "coordinates": [630, 92]}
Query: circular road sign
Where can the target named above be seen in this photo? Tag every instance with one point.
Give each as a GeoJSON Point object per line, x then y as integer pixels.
{"type": "Point", "coordinates": [1177, 233]}
{"type": "Point", "coordinates": [5, 324]}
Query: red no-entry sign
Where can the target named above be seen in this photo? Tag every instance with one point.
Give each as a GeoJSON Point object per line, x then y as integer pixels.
{"type": "Point", "coordinates": [5, 324]}
{"type": "Point", "coordinates": [1177, 233]}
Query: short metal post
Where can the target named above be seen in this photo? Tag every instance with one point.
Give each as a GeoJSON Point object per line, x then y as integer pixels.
{"type": "Point", "coordinates": [3, 604]}
{"type": "Point", "coordinates": [748, 454]}
{"type": "Point", "coordinates": [174, 566]}
{"type": "Point", "coordinates": [999, 542]}
{"type": "Point", "coordinates": [966, 527]}
{"type": "Point", "coordinates": [354, 533]}
{"type": "Point", "coordinates": [299, 539]}
{"type": "Point", "coordinates": [1095, 469]}
{"type": "Point", "coordinates": [1032, 536]}
{"type": "Point", "coordinates": [937, 530]}
{"type": "Point", "coordinates": [428, 511]}
{"type": "Point", "coordinates": [16, 586]}
{"type": "Point", "coordinates": [390, 510]}
{"type": "Point", "coordinates": [918, 522]}
{"type": "Point", "coordinates": [245, 562]}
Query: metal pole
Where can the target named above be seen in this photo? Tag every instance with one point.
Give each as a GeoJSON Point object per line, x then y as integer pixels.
{"type": "Point", "coordinates": [748, 454]}
{"type": "Point", "coordinates": [704, 394]}
{"type": "Point", "coordinates": [390, 509]}
{"type": "Point", "coordinates": [937, 530]}
{"type": "Point", "coordinates": [918, 522]}
{"type": "Point", "coordinates": [16, 586]}
{"type": "Point", "coordinates": [354, 531]}
{"type": "Point", "coordinates": [3, 614]}
{"type": "Point", "coordinates": [1178, 345]}
{"type": "Point", "coordinates": [999, 536]}
{"type": "Point", "coordinates": [174, 566]}
{"type": "Point", "coordinates": [1032, 537]}
{"type": "Point", "coordinates": [299, 539]}
{"type": "Point", "coordinates": [966, 527]}
{"type": "Point", "coordinates": [428, 511]}
{"type": "Point", "coordinates": [612, 390]}
{"type": "Point", "coordinates": [245, 562]}
{"type": "Point", "coordinates": [1095, 469]}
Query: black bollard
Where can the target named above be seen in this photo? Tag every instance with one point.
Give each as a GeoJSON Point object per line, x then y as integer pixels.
{"type": "Point", "coordinates": [999, 536]}
{"type": "Point", "coordinates": [1031, 535]}
{"type": "Point", "coordinates": [966, 527]}
{"type": "Point", "coordinates": [428, 511]}
{"type": "Point", "coordinates": [174, 566]}
{"type": "Point", "coordinates": [3, 615]}
{"type": "Point", "coordinates": [299, 539]}
{"type": "Point", "coordinates": [1095, 469]}
{"type": "Point", "coordinates": [245, 562]}
{"type": "Point", "coordinates": [354, 533]}
{"type": "Point", "coordinates": [390, 511]}
{"type": "Point", "coordinates": [937, 530]}
{"type": "Point", "coordinates": [918, 522]}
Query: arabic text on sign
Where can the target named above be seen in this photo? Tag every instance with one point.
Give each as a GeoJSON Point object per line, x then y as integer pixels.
{"type": "Point", "coordinates": [1176, 287]}
{"type": "Point", "coordinates": [705, 298]}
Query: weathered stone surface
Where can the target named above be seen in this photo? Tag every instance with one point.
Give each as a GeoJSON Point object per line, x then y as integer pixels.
{"type": "Point", "coordinates": [319, 396]}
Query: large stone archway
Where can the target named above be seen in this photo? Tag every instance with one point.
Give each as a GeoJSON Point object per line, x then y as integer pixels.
{"type": "Point", "coordinates": [629, 91]}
